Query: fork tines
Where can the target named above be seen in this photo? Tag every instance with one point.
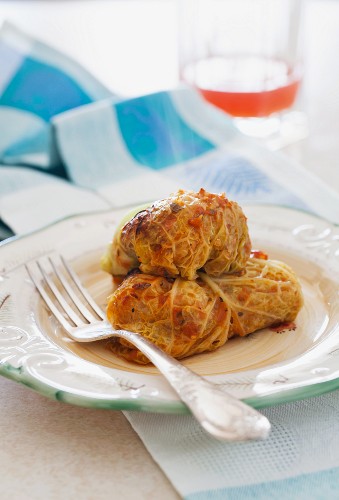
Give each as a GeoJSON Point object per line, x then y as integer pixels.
{"type": "Point", "coordinates": [63, 292]}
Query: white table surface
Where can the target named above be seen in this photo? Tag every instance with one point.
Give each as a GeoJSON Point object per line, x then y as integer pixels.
{"type": "Point", "coordinates": [52, 450]}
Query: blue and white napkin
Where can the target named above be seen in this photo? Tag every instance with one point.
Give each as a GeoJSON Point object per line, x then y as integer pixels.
{"type": "Point", "coordinates": [68, 146]}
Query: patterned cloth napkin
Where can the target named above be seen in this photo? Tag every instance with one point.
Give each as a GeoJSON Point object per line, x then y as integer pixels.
{"type": "Point", "coordinates": [68, 146]}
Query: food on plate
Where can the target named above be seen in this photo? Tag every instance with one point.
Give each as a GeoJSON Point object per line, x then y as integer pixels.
{"type": "Point", "coordinates": [185, 317]}
{"type": "Point", "coordinates": [189, 280]}
{"type": "Point", "coordinates": [180, 235]}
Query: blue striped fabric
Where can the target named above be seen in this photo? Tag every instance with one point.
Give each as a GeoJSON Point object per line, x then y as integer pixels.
{"type": "Point", "coordinates": [36, 83]}
{"type": "Point", "coordinates": [144, 125]}
{"type": "Point", "coordinates": [43, 90]}
{"type": "Point", "coordinates": [56, 116]}
{"type": "Point", "coordinates": [151, 131]}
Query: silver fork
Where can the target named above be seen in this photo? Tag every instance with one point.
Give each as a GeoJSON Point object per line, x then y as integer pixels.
{"type": "Point", "coordinates": [219, 413]}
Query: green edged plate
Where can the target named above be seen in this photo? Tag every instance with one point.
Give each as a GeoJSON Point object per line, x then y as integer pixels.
{"type": "Point", "coordinates": [265, 368]}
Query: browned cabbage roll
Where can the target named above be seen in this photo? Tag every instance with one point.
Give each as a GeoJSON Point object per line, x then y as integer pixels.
{"type": "Point", "coordinates": [188, 317]}
{"type": "Point", "coordinates": [181, 234]}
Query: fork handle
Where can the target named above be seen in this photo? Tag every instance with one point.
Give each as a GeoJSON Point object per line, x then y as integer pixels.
{"type": "Point", "coordinates": [219, 413]}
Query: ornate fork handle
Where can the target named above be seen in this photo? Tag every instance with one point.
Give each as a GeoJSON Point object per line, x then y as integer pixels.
{"type": "Point", "coordinates": [219, 413]}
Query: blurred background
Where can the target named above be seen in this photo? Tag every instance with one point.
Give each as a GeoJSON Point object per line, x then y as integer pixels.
{"type": "Point", "coordinates": [132, 47]}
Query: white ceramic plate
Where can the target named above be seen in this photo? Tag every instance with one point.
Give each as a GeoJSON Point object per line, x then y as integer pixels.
{"type": "Point", "coordinates": [264, 368]}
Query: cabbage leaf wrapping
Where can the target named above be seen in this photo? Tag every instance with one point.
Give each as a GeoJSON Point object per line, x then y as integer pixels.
{"type": "Point", "coordinates": [186, 317]}
{"type": "Point", "coordinates": [180, 235]}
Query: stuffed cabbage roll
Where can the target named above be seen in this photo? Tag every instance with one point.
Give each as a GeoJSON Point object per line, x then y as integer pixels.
{"type": "Point", "coordinates": [186, 317]}
{"type": "Point", "coordinates": [180, 235]}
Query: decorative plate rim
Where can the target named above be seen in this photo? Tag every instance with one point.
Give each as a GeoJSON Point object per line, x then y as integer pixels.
{"type": "Point", "coordinates": [20, 374]}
